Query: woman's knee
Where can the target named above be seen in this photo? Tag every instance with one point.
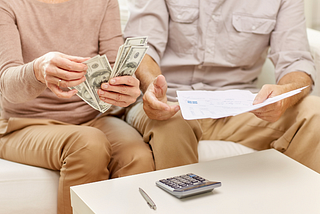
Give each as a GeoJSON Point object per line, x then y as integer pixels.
{"type": "Point", "coordinates": [131, 158]}
{"type": "Point", "coordinates": [89, 146]}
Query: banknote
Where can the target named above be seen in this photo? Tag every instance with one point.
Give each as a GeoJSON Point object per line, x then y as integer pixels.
{"type": "Point", "coordinates": [132, 61]}
{"type": "Point", "coordinates": [124, 50]}
{"type": "Point", "coordinates": [85, 94]}
{"type": "Point", "coordinates": [99, 71]}
{"type": "Point", "coordinates": [136, 41]}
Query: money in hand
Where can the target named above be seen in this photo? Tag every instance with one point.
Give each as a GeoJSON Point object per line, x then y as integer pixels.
{"type": "Point", "coordinates": [131, 61]}
{"type": "Point", "coordinates": [129, 56]}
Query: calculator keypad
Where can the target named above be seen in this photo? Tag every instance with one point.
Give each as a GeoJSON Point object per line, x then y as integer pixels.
{"type": "Point", "coordinates": [183, 181]}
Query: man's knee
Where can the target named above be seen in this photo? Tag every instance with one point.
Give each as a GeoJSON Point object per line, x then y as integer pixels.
{"type": "Point", "coordinates": [309, 107]}
{"type": "Point", "coordinates": [177, 126]}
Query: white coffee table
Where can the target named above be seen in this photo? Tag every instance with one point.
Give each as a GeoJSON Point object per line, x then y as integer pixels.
{"type": "Point", "coordinates": [265, 182]}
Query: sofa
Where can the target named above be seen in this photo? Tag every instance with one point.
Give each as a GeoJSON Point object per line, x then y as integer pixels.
{"type": "Point", "coordinates": [31, 190]}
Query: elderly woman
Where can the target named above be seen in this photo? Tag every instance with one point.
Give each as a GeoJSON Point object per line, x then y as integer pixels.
{"type": "Point", "coordinates": [43, 46]}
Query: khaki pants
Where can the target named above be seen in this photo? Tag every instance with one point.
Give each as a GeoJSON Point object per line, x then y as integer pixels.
{"type": "Point", "coordinates": [296, 134]}
{"type": "Point", "coordinates": [103, 148]}
{"type": "Point", "coordinates": [174, 142]}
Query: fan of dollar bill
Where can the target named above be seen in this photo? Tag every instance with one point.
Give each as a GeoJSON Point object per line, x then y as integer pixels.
{"type": "Point", "coordinates": [129, 56]}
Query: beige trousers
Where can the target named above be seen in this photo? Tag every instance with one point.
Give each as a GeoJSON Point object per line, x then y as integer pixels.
{"type": "Point", "coordinates": [106, 147]}
{"type": "Point", "coordinates": [174, 142]}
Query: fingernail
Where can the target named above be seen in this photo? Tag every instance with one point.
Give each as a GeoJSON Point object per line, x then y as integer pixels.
{"type": "Point", "coordinates": [101, 92]}
{"type": "Point", "coordinates": [112, 81]}
{"type": "Point", "coordinates": [155, 80]}
{"type": "Point", "coordinates": [104, 86]}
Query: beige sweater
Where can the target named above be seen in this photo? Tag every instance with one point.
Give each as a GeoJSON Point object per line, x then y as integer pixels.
{"type": "Point", "coordinates": [29, 29]}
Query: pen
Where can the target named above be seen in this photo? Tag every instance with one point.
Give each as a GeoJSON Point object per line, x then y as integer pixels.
{"type": "Point", "coordinates": [148, 199]}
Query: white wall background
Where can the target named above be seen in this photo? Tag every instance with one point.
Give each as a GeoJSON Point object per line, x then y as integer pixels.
{"type": "Point", "coordinates": [312, 13]}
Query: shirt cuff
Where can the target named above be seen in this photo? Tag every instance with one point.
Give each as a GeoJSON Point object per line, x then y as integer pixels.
{"type": "Point", "coordinates": [154, 54]}
{"type": "Point", "coordinates": [302, 66]}
{"type": "Point", "coordinates": [32, 77]}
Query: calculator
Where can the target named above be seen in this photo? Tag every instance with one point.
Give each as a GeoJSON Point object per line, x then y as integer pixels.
{"type": "Point", "coordinates": [187, 185]}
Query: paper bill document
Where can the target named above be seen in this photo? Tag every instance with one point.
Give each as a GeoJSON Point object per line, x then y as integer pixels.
{"type": "Point", "coordinates": [219, 104]}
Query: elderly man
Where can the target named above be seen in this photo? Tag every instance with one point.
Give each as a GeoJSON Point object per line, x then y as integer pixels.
{"type": "Point", "coordinates": [219, 45]}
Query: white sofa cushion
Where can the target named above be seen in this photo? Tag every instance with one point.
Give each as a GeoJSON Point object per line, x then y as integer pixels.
{"type": "Point", "coordinates": [215, 149]}
{"type": "Point", "coordinates": [27, 190]}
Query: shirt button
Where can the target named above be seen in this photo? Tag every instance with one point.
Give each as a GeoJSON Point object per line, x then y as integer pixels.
{"type": "Point", "coordinates": [253, 27]}
{"type": "Point", "coordinates": [199, 66]}
{"type": "Point", "coordinates": [214, 17]}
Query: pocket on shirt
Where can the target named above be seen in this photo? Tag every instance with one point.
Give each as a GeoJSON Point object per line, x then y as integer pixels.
{"type": "Point", "coordinates": [249, 38]}
{"type": "Point", "coordinates": [184, 15]}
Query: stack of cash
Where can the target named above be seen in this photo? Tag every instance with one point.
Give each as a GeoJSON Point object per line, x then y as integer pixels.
{"type": "Point", "coordinates": [129, 56]}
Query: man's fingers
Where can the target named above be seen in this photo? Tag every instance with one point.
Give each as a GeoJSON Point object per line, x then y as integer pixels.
{"type": "Point", "coordinates": [266, 92]}
{"type": "Point", "coordinates": [154, 103]}
{"type": "Point", "coordinates": [160, 81]}
{"type": "Point", "coordinates": [158, 110]}
{"type": "Point", "coordinates": [160, 86]}
{"type": "Point", "coordinates": [160, 114]}
{"type": "Point", "coordinates": [267, 108]}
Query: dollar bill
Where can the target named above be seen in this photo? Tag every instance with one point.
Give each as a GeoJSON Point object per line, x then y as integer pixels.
{"type": "Point", "coordinates": [85, 94]}
{"type": "Point", "coordinates": [99, 71]}
{"type": "Point", "coordinates": [132, 61]}
{"type": "Point", "coordinates": [124, 50]}
{"type": "Point", "coordinates": [136, 41]}
{"type": "Point", "coordinates": [129, 56]}
{"type": "Point", "coordinates": [117, 62]}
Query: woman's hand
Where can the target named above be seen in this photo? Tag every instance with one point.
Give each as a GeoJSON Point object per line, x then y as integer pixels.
{"type": "Point", "coordinates": [120, 91]}
{"type": "Point", "coordinates": [59, 71]}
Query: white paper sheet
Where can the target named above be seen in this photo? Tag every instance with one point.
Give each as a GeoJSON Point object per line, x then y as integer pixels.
{"type": "Point", "coordinates": [219, 104]}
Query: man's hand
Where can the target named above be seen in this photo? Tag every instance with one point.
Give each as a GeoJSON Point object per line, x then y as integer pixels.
{"type": "Point", "coordinates": [59, 71]}
{"type": "Point", "coordinates": [273, 111]}
{"type": "Point", "coordinates": [120, 91]}
{"type": "Point", "coordinates": [288, 82]}
{"type": "Point", "coordinates": [155, 101]}
{"type": "Point", "coordinates": [154, 87]}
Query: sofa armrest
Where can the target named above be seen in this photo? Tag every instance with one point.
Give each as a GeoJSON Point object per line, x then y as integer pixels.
{"type": "Point", "coordinates": [314, 42]}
